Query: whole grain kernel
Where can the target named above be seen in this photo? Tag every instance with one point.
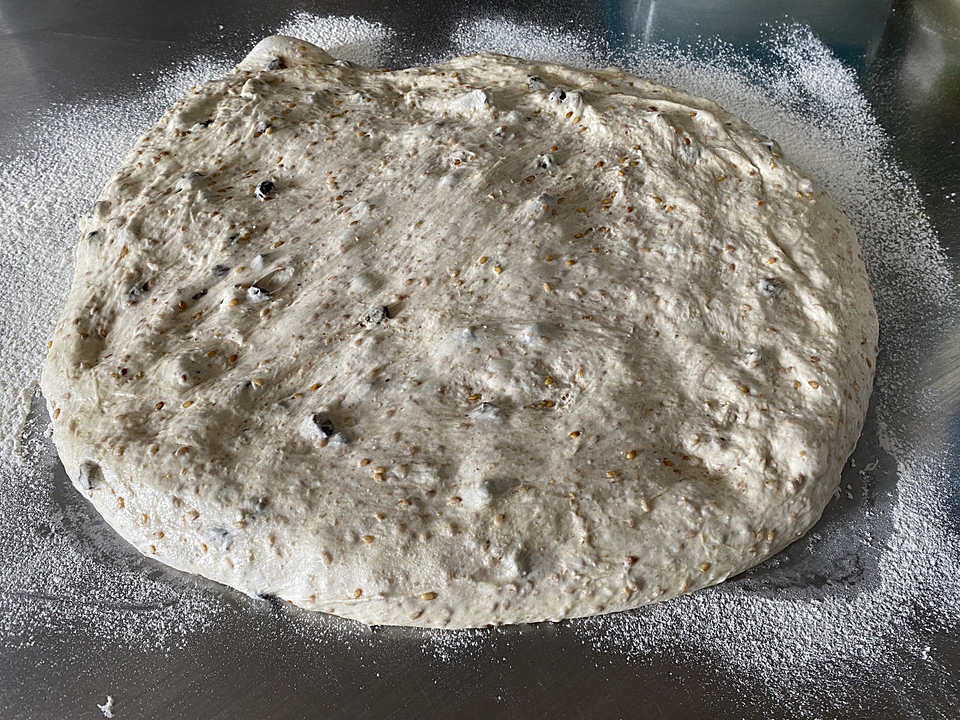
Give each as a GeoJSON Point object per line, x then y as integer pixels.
{"type": "Point", "coordinates": [428, 596]}
{"type": "Point", "coordinates": [575, 434]}
{"type": "Point", "coordinates": [631, 454]}
{"type": "Point", "coordinates": [814, 384]}
{"type": "Point", "coordinates": [357, 593]}
{"type": "Point", "coordinates": [365, 461]}
{"type": "Point", "coordinates": [612, 473]}
{"type": "Point", "coordinates": [367, 538]}
{"type": "Point", "coordinates": [159, 405]}
{"type": "Point", "coordinates": [497, 269]}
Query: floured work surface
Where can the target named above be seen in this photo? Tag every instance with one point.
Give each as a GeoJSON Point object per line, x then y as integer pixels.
{"type": "Point", "coordinates": [489, 342]}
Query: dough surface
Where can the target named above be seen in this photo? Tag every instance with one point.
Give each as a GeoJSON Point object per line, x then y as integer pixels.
{"type": "Point", "coordinates": [488, 342]}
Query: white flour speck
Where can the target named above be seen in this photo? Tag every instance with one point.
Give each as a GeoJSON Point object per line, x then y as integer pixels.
{"type": "Point", "coordinates": [107, 707]}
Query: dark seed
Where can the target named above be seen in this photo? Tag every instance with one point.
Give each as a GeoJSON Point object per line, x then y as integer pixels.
{"type": "Point", "coordinates": [535, 82]}
{"type": "Point", "coordinates": [264, 189]}
{"type": "Point", "coordinates": [242, 387]}
{"type": "Point", "coordinates": [545, 162]}
{"type": "Point", "coordinates": [770, 287]}
{"type": "Point", "coordinates": [275, 64]}
{"type": "Point", "coordinates": [486, 411]}
{"type": "Point", "coordinates": [137, 291]}
{"type": "Point", "coordinates": [90, 475]}
{"type": "Point", "coordinates": [322, 426]}
{"type": "Point", "coordinates": [201, 293]}
{"type": "Point", "coordinates": [377, 315]}
{"type": "Point", "coordinates": [258, 293]}
{"type": "Point", "coordinates": [558, 95]}
{"type": "Point", "coordinates": [220, 270]}
{"type": "Point", "coordinates": [206, 123]}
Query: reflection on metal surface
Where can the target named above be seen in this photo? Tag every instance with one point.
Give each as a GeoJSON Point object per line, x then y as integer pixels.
{"type": "Point", "coordinates": [931, 58]}
{"type": "Point", "coordinates": [853, 28]}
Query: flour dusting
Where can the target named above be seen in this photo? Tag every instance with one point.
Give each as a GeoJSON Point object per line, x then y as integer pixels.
{"type": "Point", "coordinates": [61, 570]}
{"type": "Point", "coordinates": [859, 634]}
{"type": "Point", "coordinates": [352, 39]}
{"type": "Point", "coordinates": [863, 636]}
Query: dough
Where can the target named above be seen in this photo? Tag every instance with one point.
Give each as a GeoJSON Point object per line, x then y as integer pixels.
{"type": "Point", "coordinates": [485, 342]}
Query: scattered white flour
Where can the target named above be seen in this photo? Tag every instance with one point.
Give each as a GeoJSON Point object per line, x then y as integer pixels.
{"type": "Point", "coordinates": [60, 572]}
{"type": "Point", "coordinates": [864, 626]}
{"type": "Point", "coordinates": [351, 38]}
{"type": "Point", "coordinates": [786, 640]}
{"type": "Point", "coordinates": [534, 42]}
{"type": "Point", "coordinates": [107, 707]}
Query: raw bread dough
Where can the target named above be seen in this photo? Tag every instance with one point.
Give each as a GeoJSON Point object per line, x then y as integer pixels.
{"type": "Point", "coordinates": [485, 342]}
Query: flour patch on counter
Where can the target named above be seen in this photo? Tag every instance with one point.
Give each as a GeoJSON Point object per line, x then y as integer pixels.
{"type": "Point", "coordinates": [533, 41]}
{"type": "Point", "coordinates": [810, 102]}
{"type": "Point", "coordinates": [63, 572]}
{"type": "Point", "coordinates": [346, 38]}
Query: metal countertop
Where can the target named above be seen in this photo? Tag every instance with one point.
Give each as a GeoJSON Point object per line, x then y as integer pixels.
{"type": "Point", "coordinates": [260, 659]}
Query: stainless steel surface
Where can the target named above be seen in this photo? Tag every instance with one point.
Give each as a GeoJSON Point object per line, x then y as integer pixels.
{"type": "Point", "coordinates": [264, 660]}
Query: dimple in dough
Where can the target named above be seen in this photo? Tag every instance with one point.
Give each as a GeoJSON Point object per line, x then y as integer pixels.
{"type": "Point", "coordinates": [487, 342]}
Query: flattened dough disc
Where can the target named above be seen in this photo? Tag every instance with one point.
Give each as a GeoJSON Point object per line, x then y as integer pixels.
{"type": "Point", "coordinates": [486, 342]}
